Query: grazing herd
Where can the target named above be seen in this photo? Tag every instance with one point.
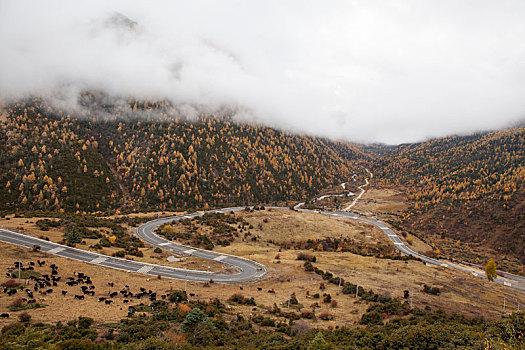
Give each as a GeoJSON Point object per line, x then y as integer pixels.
{"type": "Point", "coordinates": [43, 284]}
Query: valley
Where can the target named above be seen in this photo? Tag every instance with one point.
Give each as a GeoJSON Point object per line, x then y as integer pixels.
{"type": "Point", "coordinates": [206, 224]}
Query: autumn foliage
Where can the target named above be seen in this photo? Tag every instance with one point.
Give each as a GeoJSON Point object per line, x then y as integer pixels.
{"type": "Point", "coordinates": [462, 188]}
{"type": "Point", "coordinates": [144, 155]}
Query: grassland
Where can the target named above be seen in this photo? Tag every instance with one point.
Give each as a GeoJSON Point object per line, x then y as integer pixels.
{"type": "Point", "coordinates": [461, 292]}
{"type": "Point", "coordinates": [54, 234]}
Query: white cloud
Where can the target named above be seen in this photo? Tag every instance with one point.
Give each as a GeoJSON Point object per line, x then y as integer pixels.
{"type": "Point", "coordinates": [357, 70]}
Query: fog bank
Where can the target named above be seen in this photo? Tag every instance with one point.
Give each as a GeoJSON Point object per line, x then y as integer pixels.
{"type": "Point", "coordinates": [367, 71]}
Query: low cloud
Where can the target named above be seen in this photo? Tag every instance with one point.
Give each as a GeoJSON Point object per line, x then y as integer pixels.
{"type": "Point", "coordinates": [372, 71]}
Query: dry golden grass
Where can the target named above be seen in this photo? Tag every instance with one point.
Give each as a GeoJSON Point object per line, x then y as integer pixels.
{"type": "Point", "coordinates": [66, 307]}
{"type": "Point", "coordinates": [416, 244]}
{"type": "Point", "coordinates": [381, 200]}
{"type": "Point", "coordinates": [28, 226]}
{"type": "Point", "coordinates": [289, 226]}
{"type": "Point", "coordinates": [461, 292]}
{"type": "Point", "coordinates": [388, 201]}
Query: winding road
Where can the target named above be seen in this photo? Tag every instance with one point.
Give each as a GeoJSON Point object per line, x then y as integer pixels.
{"type": "Point", "coordinates": [244, 270]}
{"type": "Point", "coordinates": [505, 279]}
{"type": "Point", "coordinates": [361, 193]}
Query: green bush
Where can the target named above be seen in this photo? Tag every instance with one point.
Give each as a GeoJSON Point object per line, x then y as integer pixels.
{"type": "Point", "coordinates": [24, 317]}
{"type": "Point", "coordinates": [308, 266]}
{"type": "Point", "coordinates": [372, 318]}
{"type": "Point", "coordinates": [120, 254]}
{"type": "Point", "coordinates": [308, 314]}
{"type": "Point", "coordinates": [431, 290]}
{"type": "Point", "coordinates": [177, 296]}
{"type": "Point", "coordinates": [73, 236]}
{"type": "Point", "coordinates": [326, 316]}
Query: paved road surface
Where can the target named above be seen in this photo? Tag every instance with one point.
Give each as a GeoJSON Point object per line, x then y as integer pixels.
{"type": "Point", "coordinates": [244, 269]}
{"type": "Point", "coordinates": [509, 280]}
{"type": "Point", "coordinates": [247, 270]}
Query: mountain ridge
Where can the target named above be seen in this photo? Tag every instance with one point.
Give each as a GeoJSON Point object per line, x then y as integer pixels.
{"type": "Point", "coordinates": [136, 155]}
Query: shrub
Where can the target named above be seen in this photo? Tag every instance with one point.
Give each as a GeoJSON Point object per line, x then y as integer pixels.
{"type": "Point", "coordinates": [85, 322]}
{"type": "Point", "coordinates": [177, 296]}
{"type": "Point", "coordinates": [406, 294]}
{"type": "Point", "coordinates": [157, 250]}
{"type": "Point", "coordinates": [45, 224]}
{"type": "Point", "coordinates": [431, 290]}
{"type": "Point", "coordinates": [11, 284]}
{"type": "Point", "coordinates": [327, 298]}
{"type": "Point", "coordinates": [120, 254]}
{"type": "Point", "coordinates": [306, 257]}
{"type": "Point", "coordinates": [240, 299]}
{"type": "Point", "coordinates": [274, 310]}
{"type": "Point", "coordinates": [17, 303]}
{"type": "Point", "coordinates": [307, 314]}
{"type": "Point", "coordinates": [183, 308]}
{"type": "Point", "coordinates": [349, 288]}
{"type": "Point", "coordinates": [267, 322]}
{"type": "Point", "coordinates": [198, 327]}
{"type": "Point", "coordinates": [333, 303]}
{"type": "Point", "coordinates": [327, 275]}
{"type": "Point", "coordinates": [104, 241]}
{"type": "Point", "coordinates": [372, 318]}
{"type": "Point", "coordinates": [24, 317]}
{"type": "Point", "coordinates": [109, 335]}
{"type": "Point", "coordinates": [134, 251]}
{"type": "Point", "coordinates": [73, 236]}
{"type": "Point", "coordinates": [308, 267]}
{"type": "Point", "coordinates": [326, 316]}
{"type": "Point", "coordinates": [97, 246]}
{"type": "Point", "coordinates": [301, 327]}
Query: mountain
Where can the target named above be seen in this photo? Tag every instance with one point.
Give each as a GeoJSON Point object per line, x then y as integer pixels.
{"type": "Point", "coordinates": [462, 189]}
{"type": "Point", "coordinates": [113, 153]}
{"type": "Point", "coordinates": [132, 155]}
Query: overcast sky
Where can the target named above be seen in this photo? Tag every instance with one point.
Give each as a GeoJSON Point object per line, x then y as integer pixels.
{"type": "Point", "coordinates": [372, 71]}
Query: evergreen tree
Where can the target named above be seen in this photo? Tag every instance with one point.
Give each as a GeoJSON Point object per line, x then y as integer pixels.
{"type": "Point", "coordinates": [318, 343]}
{"type": "Point", "coordinates": [198, 326]}
{"type": "Point", "coordinates": [73, 236]}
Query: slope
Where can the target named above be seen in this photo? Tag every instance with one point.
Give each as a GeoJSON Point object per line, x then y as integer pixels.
{"type": "Point", "coordinates": [463, 189]}
{"type": "Point", "coordinates": [162, 159]}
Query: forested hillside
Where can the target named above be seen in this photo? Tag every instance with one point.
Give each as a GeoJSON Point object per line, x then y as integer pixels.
{"type": "Point", "coordinates": [123, 154]}
{"type": "Point", "coordinates": [144, 155]}
{"type": "Point", "coordinates": [463, 189]}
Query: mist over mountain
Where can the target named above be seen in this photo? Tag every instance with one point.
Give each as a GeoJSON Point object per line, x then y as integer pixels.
{"type": "Point", "coordinates": [369, 72]}
{"type": "Point", "coordinates": [262, 175]}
